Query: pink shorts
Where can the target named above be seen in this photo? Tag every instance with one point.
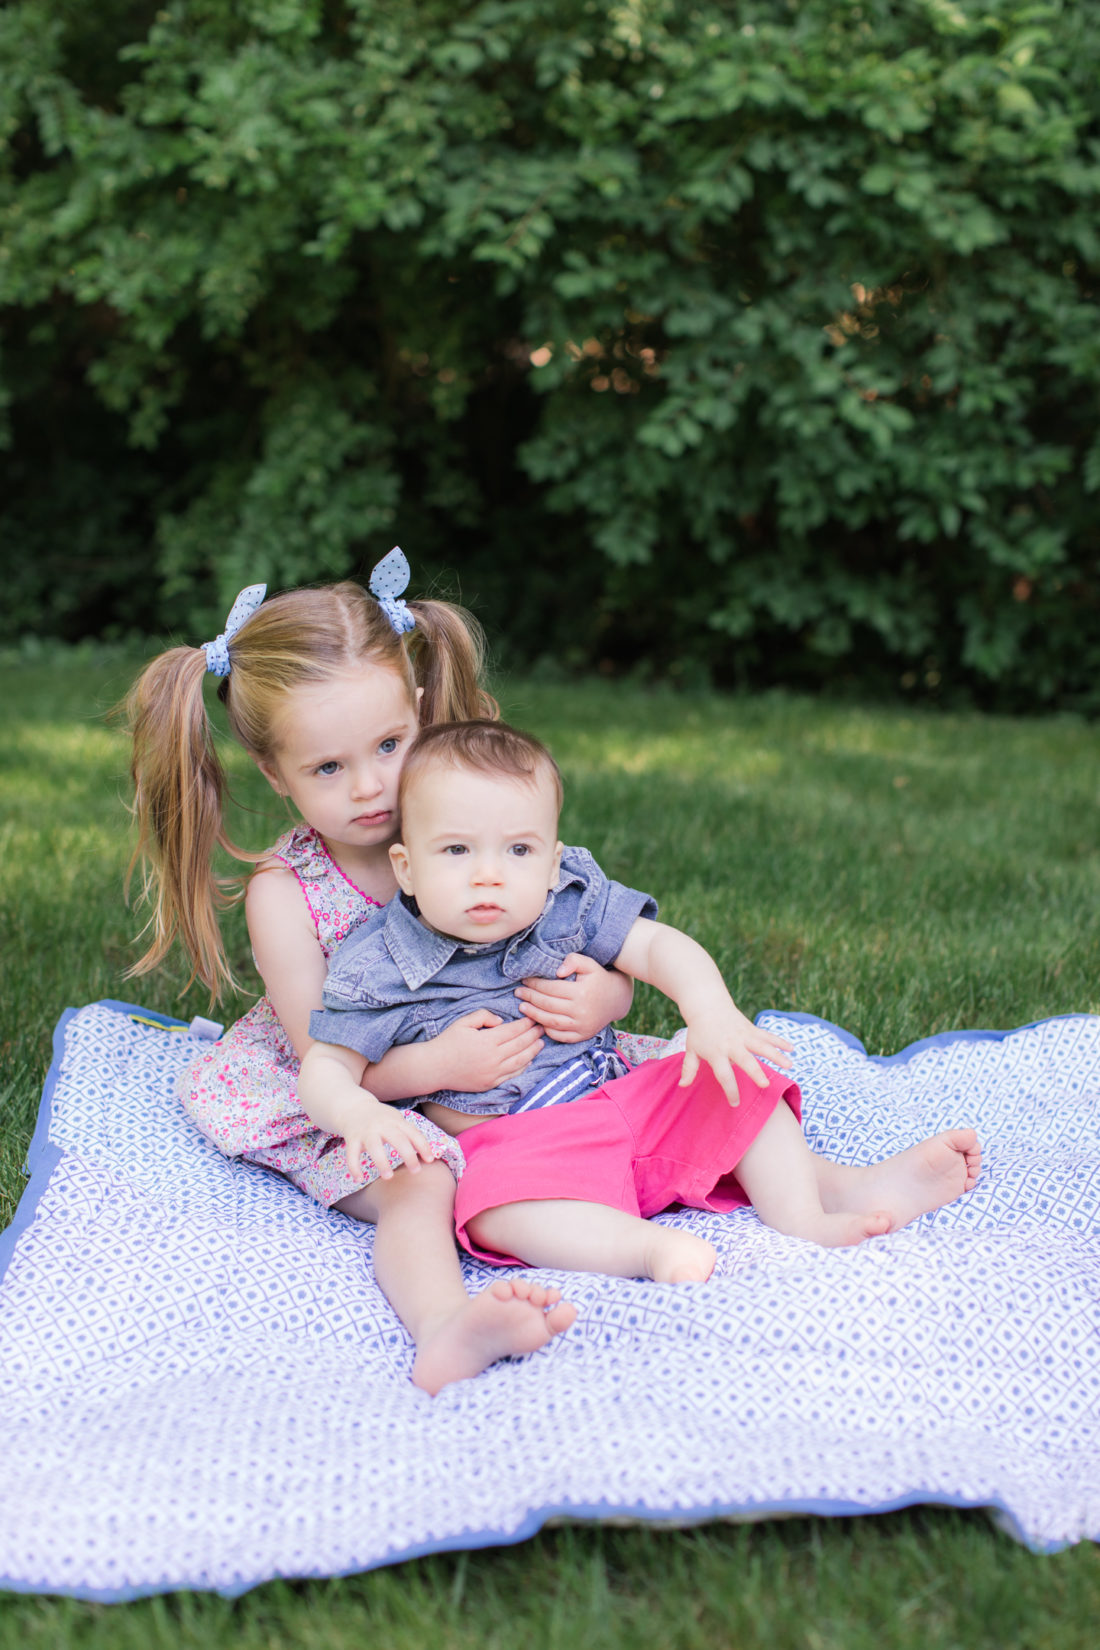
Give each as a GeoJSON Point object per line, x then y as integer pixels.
{"type": "Point", "coordinates": [639, 1143]}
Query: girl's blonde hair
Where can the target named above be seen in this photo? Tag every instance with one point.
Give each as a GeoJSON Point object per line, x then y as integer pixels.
{"type": "Point", "coordinates": [303, 636]}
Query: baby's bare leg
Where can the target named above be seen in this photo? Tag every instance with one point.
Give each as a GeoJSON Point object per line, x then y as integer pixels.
{"type": "Point", "coordinates": [417, 1267]}
{"type": "Point", "coordinates": [912, 1183]}
{"type": "Point", "coordinates": [572, 1236]}
{"type": "Point", "coordinates": [779, 1174]}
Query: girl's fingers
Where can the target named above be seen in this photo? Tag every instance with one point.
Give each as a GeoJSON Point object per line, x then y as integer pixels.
{"type": "Point", "coordinates": [542, 1002]}
{"type": "Point", "coordinates": [555, 1022]}
{"type": "Point", "coordinates": [520, 1062]}
{"type": "Point", "coordinates": [521, 1031]}
{"type": "Point", "coordinates": [481, 1019]}
{"type": "Point", "coordinates": [355, 1151]}
{"type": "Point", "coordinates": [545, 991]}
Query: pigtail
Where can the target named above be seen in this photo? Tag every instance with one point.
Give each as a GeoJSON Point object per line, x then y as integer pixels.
{"type": "Point", "coordinates": [448, 653]}
{"type": "Point", "coordinates": [179, 785]}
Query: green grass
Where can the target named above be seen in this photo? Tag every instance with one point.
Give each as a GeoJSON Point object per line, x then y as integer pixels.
{"type": "Point", "coordinates": [898, 873]}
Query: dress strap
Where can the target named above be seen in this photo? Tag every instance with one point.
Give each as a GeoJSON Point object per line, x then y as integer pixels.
{"type": "Point", "coordinates": [335, 904]}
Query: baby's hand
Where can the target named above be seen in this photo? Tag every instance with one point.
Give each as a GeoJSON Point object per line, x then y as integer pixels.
{"type": "Point", "coordinates": [727, 1039]}
{"type": "Point", "coordinates": [374, 1128]}
{"type": "Point", "coordinates": [481, 1051]}
{"type": "Point", "coordinates": [583, 999]}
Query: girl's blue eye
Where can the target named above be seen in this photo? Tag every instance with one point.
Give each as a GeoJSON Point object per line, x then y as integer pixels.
{"type": "Point", "coordinates": [388, 746]}
{"type": "Point", "coordinates": [328, 767]}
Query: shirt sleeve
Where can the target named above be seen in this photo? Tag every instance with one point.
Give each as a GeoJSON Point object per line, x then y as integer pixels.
{"type": "Point", "coordinates": [609, 909]}
{"type": "Point", "coordinates": [369, 1031]}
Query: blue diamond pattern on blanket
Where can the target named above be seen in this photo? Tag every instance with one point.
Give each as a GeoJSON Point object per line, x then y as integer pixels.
{"type": "Point", "coordinates": [205, 1352]}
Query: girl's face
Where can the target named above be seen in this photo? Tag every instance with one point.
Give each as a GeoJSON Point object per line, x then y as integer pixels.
{"type": "Point", "coordinates": [339, 746]}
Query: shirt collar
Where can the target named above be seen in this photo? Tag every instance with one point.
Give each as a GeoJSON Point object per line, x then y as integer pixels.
{"type": "Point", "coordinates": [420, 952]}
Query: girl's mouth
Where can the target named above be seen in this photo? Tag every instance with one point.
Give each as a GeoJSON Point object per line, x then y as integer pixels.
{"type": "Point", "coordinates": [369, 820]}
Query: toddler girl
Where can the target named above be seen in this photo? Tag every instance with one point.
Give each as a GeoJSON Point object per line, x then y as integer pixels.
{"type": "Point", "coordinates": [325, 690]}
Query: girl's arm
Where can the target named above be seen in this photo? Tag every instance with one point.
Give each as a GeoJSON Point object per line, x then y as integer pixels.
{"type": "Point", "coordinates": [477, 1053]}
{"type": "Point", "coordinates": [583, 999]}
{"type": "Point", "coordinates": [330, 1089]}
{"type": "Point", "coordinates": [286, 948]}
{"type": "Point", "coordinates": [717, 1030]}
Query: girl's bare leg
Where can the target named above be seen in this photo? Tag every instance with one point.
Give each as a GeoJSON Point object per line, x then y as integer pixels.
{"type": "Point", "coordinates": [590, 1237]}
{"type": "Point", "coordinates": [416, 1263]}
{"type": "Point", "coordinates": [779, 1174]}
{"type": "Point", "coordinates": [913, 1182]}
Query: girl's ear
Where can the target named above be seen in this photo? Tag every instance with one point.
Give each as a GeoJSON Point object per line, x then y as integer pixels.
{"type": "Point", "coordinates": [419, 697]}
{"type": "Point", "coordinates": [271, 774]}
{"type": "Point", "coordinates": [399, 859]}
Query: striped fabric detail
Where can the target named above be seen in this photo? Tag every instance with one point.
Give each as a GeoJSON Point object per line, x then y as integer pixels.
{"type": "Point", "coordinates": [580, 1076]}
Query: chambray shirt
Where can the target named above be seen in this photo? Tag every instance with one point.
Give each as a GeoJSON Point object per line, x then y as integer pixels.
{"type": "Point", "coordinates": [394, 980]}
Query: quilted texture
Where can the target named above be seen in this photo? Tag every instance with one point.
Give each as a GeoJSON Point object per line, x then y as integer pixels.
{"type": "Point", "coordinates": [201, 1386]}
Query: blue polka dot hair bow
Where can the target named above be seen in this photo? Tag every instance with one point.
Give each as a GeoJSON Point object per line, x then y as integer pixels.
{"type": "Point", "coordinates": [217, 651]}
{"type": "Point", "coordinates": [387, 581]}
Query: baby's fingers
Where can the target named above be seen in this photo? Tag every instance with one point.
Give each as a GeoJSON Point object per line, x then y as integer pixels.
{"type": "Point", "coordinates": [751, 1067]}
{"type": "Point", "coordinates": [776, 1049]}
{"type": "Point", "coordinates": [689, 1070]}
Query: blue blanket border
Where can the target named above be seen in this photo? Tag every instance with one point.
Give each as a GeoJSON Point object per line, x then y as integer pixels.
{"type": "Point", "coordinates": [42, 1158]}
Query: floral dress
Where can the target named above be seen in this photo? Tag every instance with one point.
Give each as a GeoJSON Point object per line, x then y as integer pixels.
{"type": "Point", "coordinates": [243, 1091]}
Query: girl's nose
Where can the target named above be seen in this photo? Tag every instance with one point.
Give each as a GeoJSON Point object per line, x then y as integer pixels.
{"type": "Point", "coordinates": [365, 785]}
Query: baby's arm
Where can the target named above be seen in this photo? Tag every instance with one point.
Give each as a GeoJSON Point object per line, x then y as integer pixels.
{"type": "Point", "coordinates": [329, 1087]}
{"type": "Point", "coordinates": [717, 1030]}
{"type": "Point", "coordinates": [583, 999]}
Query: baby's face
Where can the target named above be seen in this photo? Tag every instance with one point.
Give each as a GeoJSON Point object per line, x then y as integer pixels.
{"type": "Point", "coordinates": [479, 851]}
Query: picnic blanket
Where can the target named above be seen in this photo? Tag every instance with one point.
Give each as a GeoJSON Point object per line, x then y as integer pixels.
{"type": "Point", "coordinates": [202, 1387]}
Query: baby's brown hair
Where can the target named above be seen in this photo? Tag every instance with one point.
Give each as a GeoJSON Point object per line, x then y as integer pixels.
{"type": "Point", "coordinates": [478, 746]}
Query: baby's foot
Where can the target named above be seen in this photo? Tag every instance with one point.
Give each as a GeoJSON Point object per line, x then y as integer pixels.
{"type": "Point", "coordinates": [925, 1177]}
{"type": "Point", "coordinates": [673, 1256]}
{"type": "Point", "coordinates": [512, 1316]}
{"type": "Point", "coordinates": [839, 1231]}
{"type": "Point", "coordinates": [928, 1175]}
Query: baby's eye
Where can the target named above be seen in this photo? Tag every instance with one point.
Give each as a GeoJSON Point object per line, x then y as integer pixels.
{"type": "Point", "coordinates": [388, 746]}
{"type": "Point", "coordinates": [328, 767]}
{"type": "Point", "coordinates": [521, 849]}
{"type": "Point", "coordinates": [456, 848]}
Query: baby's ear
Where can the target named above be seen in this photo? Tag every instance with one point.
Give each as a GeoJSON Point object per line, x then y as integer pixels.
{"type": "Point", "coordinates": [399, 859]}
{"type": "Point", "coordinates": [556, 867]}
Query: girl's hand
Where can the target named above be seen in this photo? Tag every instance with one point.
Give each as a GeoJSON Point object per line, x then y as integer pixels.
{"type": "Point", "coordinates": [373, 1128]}
{"type": "Point", "coordinates": [726, 1039]}
{"type": "Point", "coordinates": [583, 999]}
{"type": "Point", "coordinates": [481, 1051]}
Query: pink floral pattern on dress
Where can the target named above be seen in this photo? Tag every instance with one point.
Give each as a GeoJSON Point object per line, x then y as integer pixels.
{"type": "Point", "coordinates": [243, 1091]}
{"type": "Point", "coordinates": [635, 1046]}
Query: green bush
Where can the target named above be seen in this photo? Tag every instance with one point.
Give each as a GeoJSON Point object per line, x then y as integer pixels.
{"type": "Point", "coordinates": [752, 340]}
